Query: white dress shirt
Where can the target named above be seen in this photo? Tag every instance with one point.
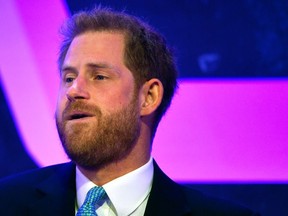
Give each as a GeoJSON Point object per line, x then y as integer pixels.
{"type": "Point", "coordinates": [127, 195]}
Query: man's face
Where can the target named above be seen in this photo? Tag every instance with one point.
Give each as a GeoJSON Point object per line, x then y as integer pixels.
{"type": "Point", "coordinates": [97, 113]}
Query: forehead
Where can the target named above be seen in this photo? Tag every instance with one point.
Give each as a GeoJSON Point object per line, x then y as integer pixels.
{"type": "Point", "coordinates": [100, 46]}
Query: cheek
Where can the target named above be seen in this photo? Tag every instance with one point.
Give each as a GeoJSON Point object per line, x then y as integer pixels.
{"type": "Point", "coordinates": [115, 97]}
{"type": "Point", "coordinates": [112, 103]}
{"type": "Point", "coordinates": [124, 97]}
{"type": "Point", "coordinates": [61, 101]}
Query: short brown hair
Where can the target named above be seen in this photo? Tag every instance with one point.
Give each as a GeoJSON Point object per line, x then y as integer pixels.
{"type": "Point", "coordinates": [146, 54]}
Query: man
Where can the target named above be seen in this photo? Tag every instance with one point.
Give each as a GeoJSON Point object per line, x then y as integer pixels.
{"type": "Point", "coordinates": [117, 80]}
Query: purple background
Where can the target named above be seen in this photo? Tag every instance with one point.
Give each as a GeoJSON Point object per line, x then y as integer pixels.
{"type": "Point", "coordinates": [223, 129]}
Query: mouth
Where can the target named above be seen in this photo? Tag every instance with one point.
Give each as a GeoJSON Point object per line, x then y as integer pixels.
{"type": "Point", "coordinates": [78, 116]}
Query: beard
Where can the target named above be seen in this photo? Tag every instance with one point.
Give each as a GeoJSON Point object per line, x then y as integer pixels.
{"type": "Point", "coordinates": [103, 140]}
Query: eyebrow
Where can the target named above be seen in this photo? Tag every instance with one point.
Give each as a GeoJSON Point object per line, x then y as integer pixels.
{"type": "Point", "coordinates": [100, 65]}
{"type": "Point", "coordinates": [68, 68]}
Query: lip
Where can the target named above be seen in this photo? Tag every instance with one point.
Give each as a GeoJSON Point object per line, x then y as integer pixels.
{"type": "Point", "coordinates": [77, 115]}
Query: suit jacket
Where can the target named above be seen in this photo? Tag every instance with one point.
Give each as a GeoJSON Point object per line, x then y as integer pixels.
{"type": "Point", "coordinates": [51, 191]}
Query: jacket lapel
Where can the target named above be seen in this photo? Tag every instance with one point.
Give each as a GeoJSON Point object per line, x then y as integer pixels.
{"type": "Point", "coordinates": [56, 194]}
{"type": "Point", "coordinates": [166, 197]}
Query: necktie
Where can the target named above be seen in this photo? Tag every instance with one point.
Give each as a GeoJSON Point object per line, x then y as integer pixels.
{"type": "Point", "coordinates": [89, 206]}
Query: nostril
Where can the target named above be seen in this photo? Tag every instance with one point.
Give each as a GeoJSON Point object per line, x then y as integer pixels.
{"type": "Point", "coordinates": [77, 93]}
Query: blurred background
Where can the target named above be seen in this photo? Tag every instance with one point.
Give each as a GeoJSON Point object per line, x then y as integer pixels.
{"type": "Point", "coordinates": [226, 131]}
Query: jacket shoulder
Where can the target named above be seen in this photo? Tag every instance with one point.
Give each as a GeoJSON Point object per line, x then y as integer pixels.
{"type": "Point", "coordinates": [42, 191]}
{"type": "Point", "coordinates": [168, 197]}
{"type": "Point", "coordinates": [204, 204]}
{"type": "Point", "coordinates": [33, 177]}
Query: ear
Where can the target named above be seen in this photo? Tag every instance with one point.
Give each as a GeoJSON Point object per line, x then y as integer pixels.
{"type": "Point", "coordinates": [151, 96]}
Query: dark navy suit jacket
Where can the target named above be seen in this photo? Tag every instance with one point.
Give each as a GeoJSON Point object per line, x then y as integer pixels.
{"type": "Point", "coordinates": [51, 191]}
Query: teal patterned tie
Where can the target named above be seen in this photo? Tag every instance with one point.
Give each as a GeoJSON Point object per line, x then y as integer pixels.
{"type": "Point", "coordinates": [89, 206]}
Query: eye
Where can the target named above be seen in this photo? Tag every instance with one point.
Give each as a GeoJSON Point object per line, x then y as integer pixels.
{"type": "Point", "coordinates": [100, 77]}
{"type": "Point", "coordinates": [69, 79]}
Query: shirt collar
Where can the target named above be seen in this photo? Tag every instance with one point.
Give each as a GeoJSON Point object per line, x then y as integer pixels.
{"type": "Point", "coordinates": [126, 192]}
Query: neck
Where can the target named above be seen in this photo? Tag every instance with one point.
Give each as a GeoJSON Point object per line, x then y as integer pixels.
{"type": "Point", "coordinates": [137, 157]}
{"type": "Point", "coordinates": [111, 171]}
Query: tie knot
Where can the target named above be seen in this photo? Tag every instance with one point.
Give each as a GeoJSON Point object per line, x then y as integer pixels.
{"type": "Point", "coordinates": [94, 195]}
{"type": "Point", "coordinates": [89, 206]}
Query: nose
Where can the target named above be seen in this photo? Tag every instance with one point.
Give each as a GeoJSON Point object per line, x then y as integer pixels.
{"type": "Point", "coordinates": [78, 90]}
